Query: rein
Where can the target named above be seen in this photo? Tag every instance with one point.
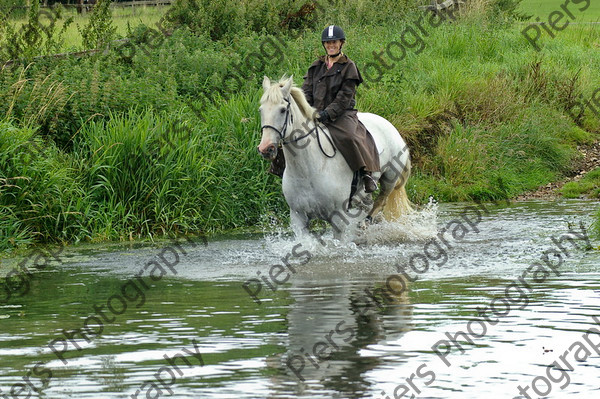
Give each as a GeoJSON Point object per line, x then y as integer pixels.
{"type": "Point", "coordinates": [281, 132]}
{"type": "Point", "coordinates": [319, 140]}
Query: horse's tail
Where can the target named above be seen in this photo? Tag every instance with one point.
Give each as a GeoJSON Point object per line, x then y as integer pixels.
{"type": "Point", "coordinates": [397, 203]}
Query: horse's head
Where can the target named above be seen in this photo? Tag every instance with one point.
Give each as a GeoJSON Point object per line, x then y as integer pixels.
{"type": "Point", "coordinates": [275, 115]}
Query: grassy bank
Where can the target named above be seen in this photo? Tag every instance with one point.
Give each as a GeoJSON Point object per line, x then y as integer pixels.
{"type": "Point", "coordinates": [588, 186]}
{"type": "Point", "coordinates": [161, 139]}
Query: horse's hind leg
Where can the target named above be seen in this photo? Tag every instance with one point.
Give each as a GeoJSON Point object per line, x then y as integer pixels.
{"type": "Point", "coordinates": [386, 186]}
{"type": "Point", "coordinates": [392, 189]}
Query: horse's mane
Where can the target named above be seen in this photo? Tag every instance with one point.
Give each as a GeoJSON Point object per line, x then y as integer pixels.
{"type": "Point", "coordinates": [273, 94]}
{"type": "Point", "coordinates": [298, 95]}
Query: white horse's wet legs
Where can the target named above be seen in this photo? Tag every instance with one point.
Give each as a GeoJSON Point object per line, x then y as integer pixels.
{"type": "Point", "coordinates": [299, 223]}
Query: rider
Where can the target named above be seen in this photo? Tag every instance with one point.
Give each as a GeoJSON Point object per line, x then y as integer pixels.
{"type": "Point", "coordinates": [330, 86]}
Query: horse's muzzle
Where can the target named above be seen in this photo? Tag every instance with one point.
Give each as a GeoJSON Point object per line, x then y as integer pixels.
{"type": "Point", "coordinates": [269, 153]}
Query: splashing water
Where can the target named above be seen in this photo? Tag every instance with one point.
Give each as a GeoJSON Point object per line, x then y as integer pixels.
{"type": "Point", "coordinates": [373, 247]}
{"type": "Point", "coordinates": [419, 225]}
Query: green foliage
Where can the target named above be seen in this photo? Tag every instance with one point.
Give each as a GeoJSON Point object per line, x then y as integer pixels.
{"type": "Point", "coordinates": [230, 19]}
{"type": "Point", "coordinates": [100, 30]}
{"type": "Point", "coordinates": [38, 190]}
{"type": "Point", "coordinates": [58, 97]}
{"type": "Point", "coordinates": [161, 138]}
{"type": "Point", "coordinates": [39, 35]}
{"type": "Point", "coordinates": [136, 175]}
{"type": "Point", "coordinates": [217, 19]}
{"type": "Point", "coordinates": [58, 101]}
{"type": "Point", "coordinates": [7, 5]}
{"type": "Point", "coordinates": [486, 162]}
{"type": "Point", "coordinates": [144, 176]}
{"type": "Point", "coordinates": [12, 8]}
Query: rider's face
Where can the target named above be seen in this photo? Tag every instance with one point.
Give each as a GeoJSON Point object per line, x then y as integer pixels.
{"type": "Point", "coordinates": [333, 47]}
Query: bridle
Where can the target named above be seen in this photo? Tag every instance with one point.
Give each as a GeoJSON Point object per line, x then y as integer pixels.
{"type": "Point", "coordinates": [281, 132]}
{"type": "Point", "coordinates": [289, 118]}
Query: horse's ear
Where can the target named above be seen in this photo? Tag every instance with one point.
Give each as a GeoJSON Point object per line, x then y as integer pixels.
{"type": "Point", "coordinates": [266, 83]}
{"type": "Point", "coordinates": [287, 87]}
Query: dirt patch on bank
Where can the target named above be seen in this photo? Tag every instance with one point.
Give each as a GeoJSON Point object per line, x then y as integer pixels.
{"type": "Point", "coordinates": [589, 161]}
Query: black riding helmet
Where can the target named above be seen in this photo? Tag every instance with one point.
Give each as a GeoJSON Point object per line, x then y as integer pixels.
{"type": "Point", "coordinates": [332, 32]}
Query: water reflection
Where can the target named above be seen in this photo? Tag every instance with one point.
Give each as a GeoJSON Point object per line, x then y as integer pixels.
{"type": "Point", "coordinates": [331, 325]}
{"type": "Point", "coordinates": [337, 307]}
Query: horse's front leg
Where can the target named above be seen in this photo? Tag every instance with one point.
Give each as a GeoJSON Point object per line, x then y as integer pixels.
{"type": "Point", "coordinates": [299, 223]}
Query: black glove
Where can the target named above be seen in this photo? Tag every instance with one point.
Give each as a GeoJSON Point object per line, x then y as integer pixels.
{"type": "Point", "coordinates": [323, 116]}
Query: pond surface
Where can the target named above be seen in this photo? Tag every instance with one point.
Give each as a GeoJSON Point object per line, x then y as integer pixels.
{"type": "Point", "coordinates": [456, 301]}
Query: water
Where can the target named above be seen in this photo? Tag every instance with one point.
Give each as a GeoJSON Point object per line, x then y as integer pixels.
{"type": "Point", "coordinates": [320, 298]}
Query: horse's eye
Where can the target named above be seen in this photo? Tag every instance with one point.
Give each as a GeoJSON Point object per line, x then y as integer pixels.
{"type": "Point", "coordinates": [282, 110]}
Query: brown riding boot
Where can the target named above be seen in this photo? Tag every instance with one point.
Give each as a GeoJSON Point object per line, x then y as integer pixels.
{"type": "Point", "coordinates": [369, 182]}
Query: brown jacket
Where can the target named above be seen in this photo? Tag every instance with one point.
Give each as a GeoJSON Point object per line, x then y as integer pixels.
{"type": "Point", "coordinates": [333, 90]}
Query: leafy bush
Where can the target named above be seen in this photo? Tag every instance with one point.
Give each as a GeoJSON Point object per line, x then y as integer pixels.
{"type": "Point", "coordinates": [99, 31]}
{"type": "Point", "coordinates": [230, 19]}
{"type": "Point", "coordinates": [40, 35]}
{"type": "Point", "coordinates": [12, 8]}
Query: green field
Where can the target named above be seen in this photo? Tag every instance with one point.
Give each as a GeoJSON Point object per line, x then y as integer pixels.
{"type": "Point", "coordinates": [543, 8]}
{"type": "Point", "coordinates": [122, 19]}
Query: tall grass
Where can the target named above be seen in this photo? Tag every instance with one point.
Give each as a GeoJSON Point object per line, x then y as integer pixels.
{"type": "Point", "coordinates": [163, 173]}
{"type": "Point", "coordinates": [138, 178]}
{"type": "Point", "coordinates": [39, 194]}
{"type": "Point", "coordinates": [136, 175]}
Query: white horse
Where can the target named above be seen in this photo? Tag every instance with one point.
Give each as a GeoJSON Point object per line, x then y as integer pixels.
{"type": "Point", "coordinates": [317, 179]}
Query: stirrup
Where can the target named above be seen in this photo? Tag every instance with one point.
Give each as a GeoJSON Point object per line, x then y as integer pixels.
{"type": "Point", "coordinates": [370, 183]}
